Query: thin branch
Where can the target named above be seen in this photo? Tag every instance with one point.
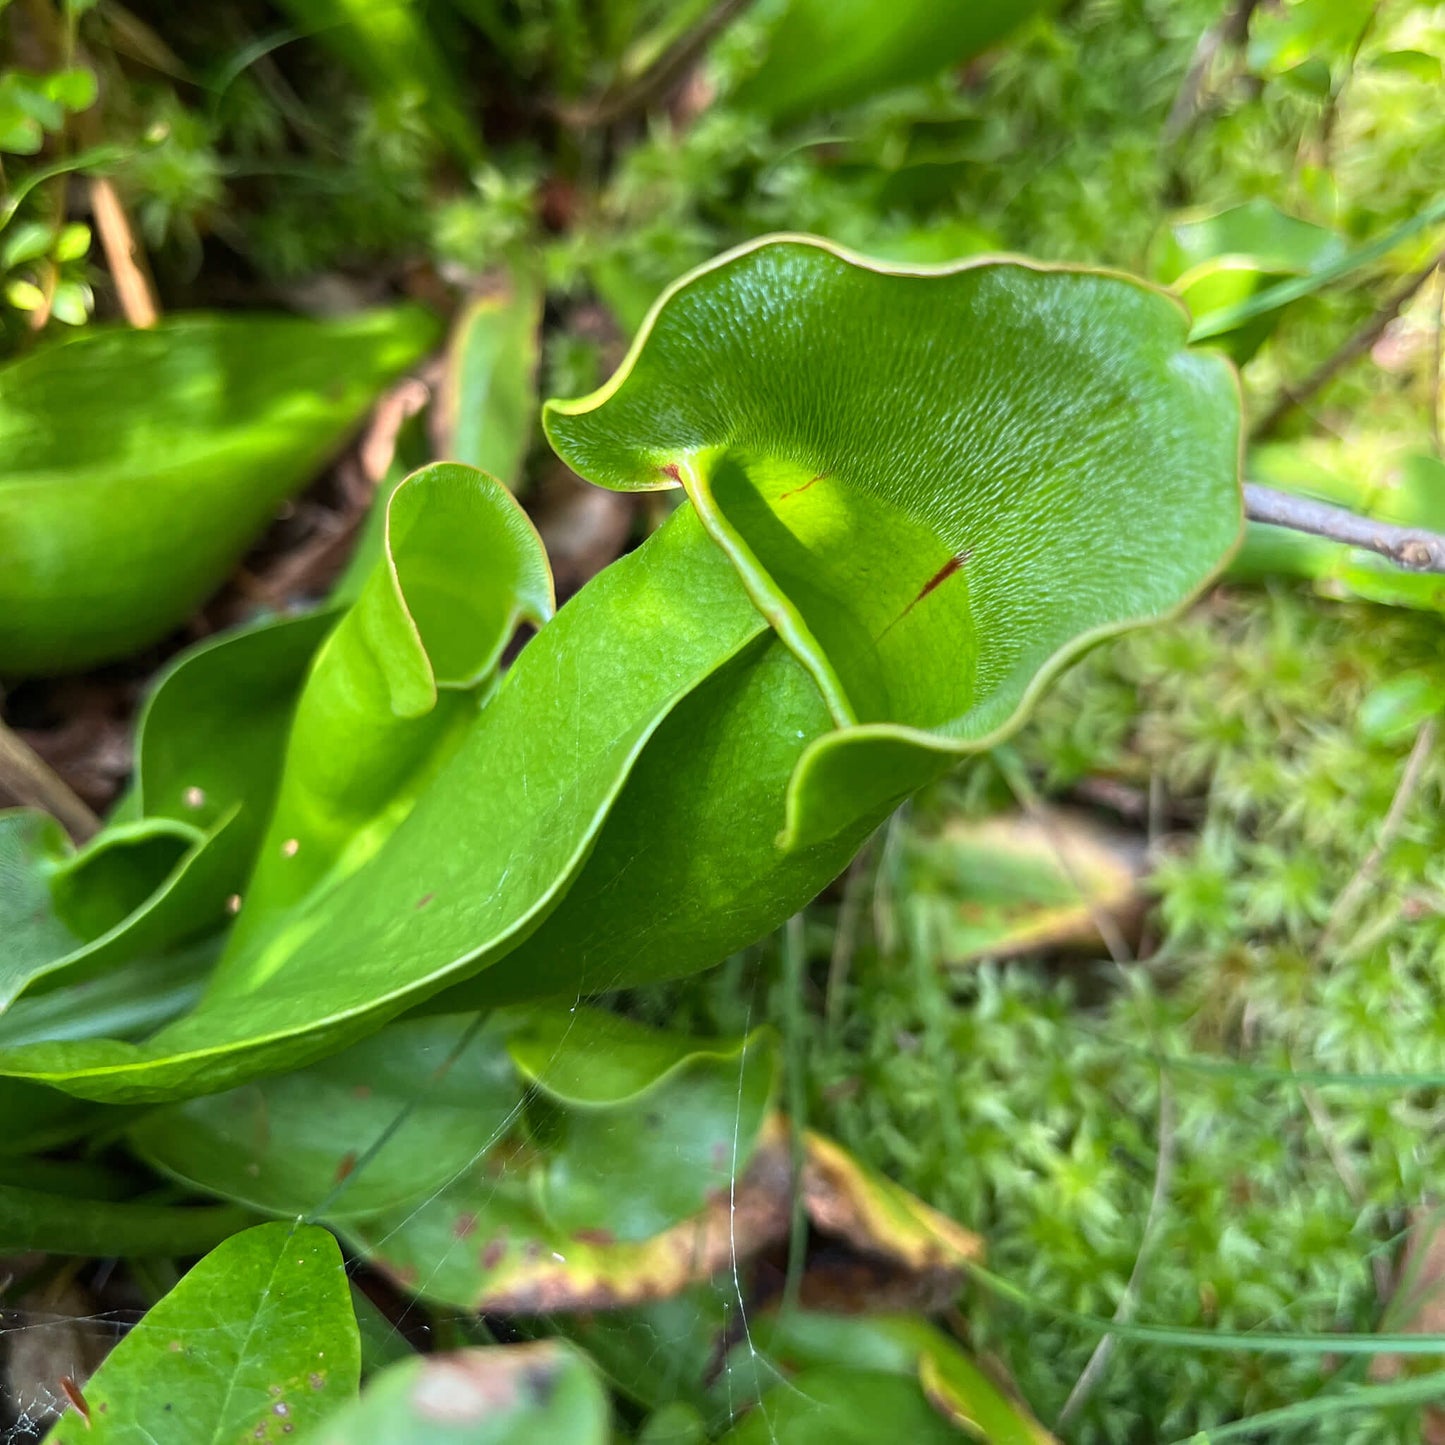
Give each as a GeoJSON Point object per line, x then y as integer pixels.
{"type": "Point", "coordinates": [26, 777]}
{"type": "Point", "coordinates": [1355, 347]}
{"type": "Point", "coordinates": [659, 79]}
{"type": "Point", "coordinates": [1412, 548]}
{"type": "Point", "coordinates": [123, 255]}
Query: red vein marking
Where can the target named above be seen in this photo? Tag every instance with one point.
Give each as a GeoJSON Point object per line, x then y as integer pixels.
{"type": "Point", "coordinates": [953, 565]}
{"type": "Point", "coordinates": [71, 1391]}
{"type": "Point", "coordinates": [793, 491]}
{"type": "Point", "coordinates": [670, 470]}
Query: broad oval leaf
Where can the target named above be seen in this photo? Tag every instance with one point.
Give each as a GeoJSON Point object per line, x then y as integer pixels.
{"type": "Point", "coordinates": [914, 495]}
{"type": "Point", "coordinates": [257, 1342]}
{"type": "Point", "coordinates": [427, 1105]}
{"type": "Point", "coordinates": [136, 467]}
{"type": "Point", "coordinates": [504, 1395]}
{"type": "Point", "coordinates": [378, 1126]}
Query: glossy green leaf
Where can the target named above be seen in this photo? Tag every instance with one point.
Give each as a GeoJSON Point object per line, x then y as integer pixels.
{"type": "Point", "coordinates": [136, 467]}
{"type": "Point", "coordinates": [393, 690]}
{"type": "Point", "coordinates": [505, 1395]}
{"type": "Point", "coordinates": [128, 1000]}
{"type": "Point", "coordinates": [257, 1342]}
{"type": "Point", "coordinates": [826, 53]}
{"type": "Point", "coordinates": [649, 1126]}
{"type": "Point", "coordinates": [914, 496]}
{"type": "Point", "coordinates": [489, 400]}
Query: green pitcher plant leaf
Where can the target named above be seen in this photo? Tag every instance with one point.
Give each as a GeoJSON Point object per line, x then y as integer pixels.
{"type": "Point", "coordinates": [209, 744]}
{"type": "Point", "coordinates": [393, 689]}
{"type": "Point", "coordinates": [911, 496]}
{"type": "Point", "coordinates": [488, 1243]}
{"type": "Point", "coordinates": [489, 399]}
{"type": "Point", "coordinates": [257, 1342]}
{"type": "Point", "coordinates": [831, 1405]}
{"type": "Point", "coordinates": [504, 1395]}
{"type": "Point", "coordinates": [136, 467]}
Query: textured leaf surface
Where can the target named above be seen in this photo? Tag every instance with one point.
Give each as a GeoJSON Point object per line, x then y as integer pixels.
{"type": "Point", "coordinates": [257, 1342]}
{"type": "Point", "coordinates": [506, 1395]}
{"type": "Point", "coordinates": [137, 466]}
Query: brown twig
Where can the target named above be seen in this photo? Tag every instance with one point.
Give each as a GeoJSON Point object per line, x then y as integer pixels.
{"type": "Point", "coordinates": [123, 256]}
{"type": "Point", "coordinates": [26, 778]}
{"type": "Point", "coordinates": [660, 79]}
{"type": "Point", "coordinates": [1355, 347]}
{"type": "Point", "coordinates": [1412, 548]}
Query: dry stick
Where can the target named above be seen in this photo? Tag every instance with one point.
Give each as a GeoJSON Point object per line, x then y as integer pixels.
{"type": "Point", "coordinates": [26, 776]}
{"type": "Point", "coordinates": [1356, 346]}
{"type": "Point", "coordinates": [123, 255]}
{"type": "Point", "coordinates": [661, 77]}
{"type": "Point", "coordinates": [1163, 1175]}
{"type": "Point", "coordinates": [1412, 548]}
